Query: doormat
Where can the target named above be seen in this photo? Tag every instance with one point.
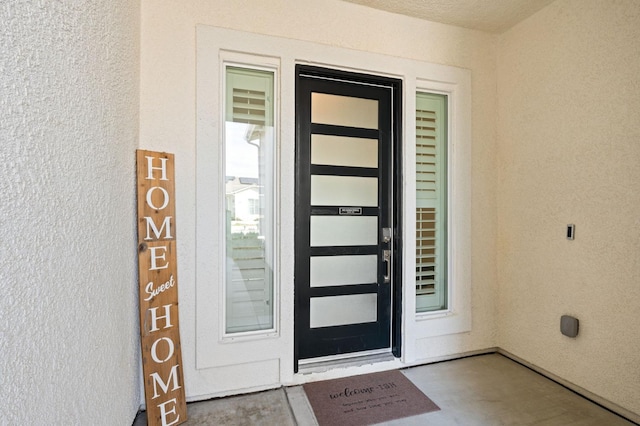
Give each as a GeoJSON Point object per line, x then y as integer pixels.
{"type": "Point", "coordinates": [367, 399]}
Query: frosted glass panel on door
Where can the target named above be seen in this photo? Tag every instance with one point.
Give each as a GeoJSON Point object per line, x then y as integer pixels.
{"type": "Point", "coordinates": [328, 271]}
{"type": "Point", "coordinates": [333, 150]}
{"type": "Point", "coordinates": [342, 310]}
{"type": "Point", "coordinates": [344, 231]}
{"type": "Point", "coordinates": [344, 111]}
{"type": "Point", "coordinates": [344, 191]}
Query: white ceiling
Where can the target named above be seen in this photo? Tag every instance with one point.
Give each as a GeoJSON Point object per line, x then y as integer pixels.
{"type": "Point", "coordinates": [493, 16]}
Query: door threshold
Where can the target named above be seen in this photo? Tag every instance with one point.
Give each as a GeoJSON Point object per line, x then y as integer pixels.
{"type": "Point", "coordinates": [320, 365]}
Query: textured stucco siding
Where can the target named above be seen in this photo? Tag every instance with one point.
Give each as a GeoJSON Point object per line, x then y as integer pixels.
{"type": "Point", "coordinates": [569, 152]}
{"type": "Point", "coordinates": [68, 132]}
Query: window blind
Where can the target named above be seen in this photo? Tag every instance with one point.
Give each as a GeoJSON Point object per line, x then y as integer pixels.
{"type": "Point", "coordinates": [248, 106]}
{"type": "Point", "coordinates": [249, 93]}
{"type": "Point", "coordinates": [431, 178]}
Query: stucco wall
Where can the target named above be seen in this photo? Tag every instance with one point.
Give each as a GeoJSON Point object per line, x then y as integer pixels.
{"type": "Point", "coordinates": [569, 152]}
{"type": "Point", "coordinates": [168, 102]}
{"type": "Point", "coordinates": [68, 131]}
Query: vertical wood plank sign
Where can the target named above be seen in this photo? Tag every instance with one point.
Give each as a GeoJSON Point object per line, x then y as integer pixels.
{"type": "Point", "coordinates": [158, 284]}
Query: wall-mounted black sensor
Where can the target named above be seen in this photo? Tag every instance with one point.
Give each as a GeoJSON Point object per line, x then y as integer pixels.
{"type": "Point", "coordinates": [569, 325]}
{"type": "Point", "coordinates": [571, 232]}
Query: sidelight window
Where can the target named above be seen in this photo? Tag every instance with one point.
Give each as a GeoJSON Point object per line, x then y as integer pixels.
{"type": "Point", "coordinates": [249, 162]}
{"type": "Point", "coordinates": [431, 202]}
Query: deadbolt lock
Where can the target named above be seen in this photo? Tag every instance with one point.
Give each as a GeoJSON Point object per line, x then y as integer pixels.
{"type": "Point", "coordinates": [386, 235]}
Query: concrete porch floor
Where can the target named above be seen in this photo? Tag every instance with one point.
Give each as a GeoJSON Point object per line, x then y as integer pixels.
{"type": "Point", "coordinates": [485, 390]}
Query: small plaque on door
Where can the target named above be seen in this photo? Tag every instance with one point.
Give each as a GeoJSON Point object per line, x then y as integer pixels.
{"type": "Point", "coordinates": [350, 211]}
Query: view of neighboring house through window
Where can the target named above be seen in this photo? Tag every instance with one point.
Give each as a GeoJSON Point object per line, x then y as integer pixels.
{"type": "Point", "coordinates": [249, 153]}
{"type": "Point", "coordinates": [431, 202]}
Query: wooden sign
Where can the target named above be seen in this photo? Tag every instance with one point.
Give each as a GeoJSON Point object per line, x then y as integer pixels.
{"type": "Point", "coordinates": [158, 282]}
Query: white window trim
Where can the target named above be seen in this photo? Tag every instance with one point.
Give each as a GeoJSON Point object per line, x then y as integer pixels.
{"type": "Point", "coordinates": [210, 213]}
{"type": "Point", "coordinates": [213, 46]}
{"type": "Point", "coordinates": [261, 63]}
{"type": "Point", "coordinates": [456, 318]}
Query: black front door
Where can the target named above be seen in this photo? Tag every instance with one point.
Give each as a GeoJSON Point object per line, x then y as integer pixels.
{"type": "Point", "coordinates": [347, 291]}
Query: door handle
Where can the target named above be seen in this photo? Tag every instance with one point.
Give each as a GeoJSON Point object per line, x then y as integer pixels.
{"type": "Point", "coordinates": [386, 258]}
